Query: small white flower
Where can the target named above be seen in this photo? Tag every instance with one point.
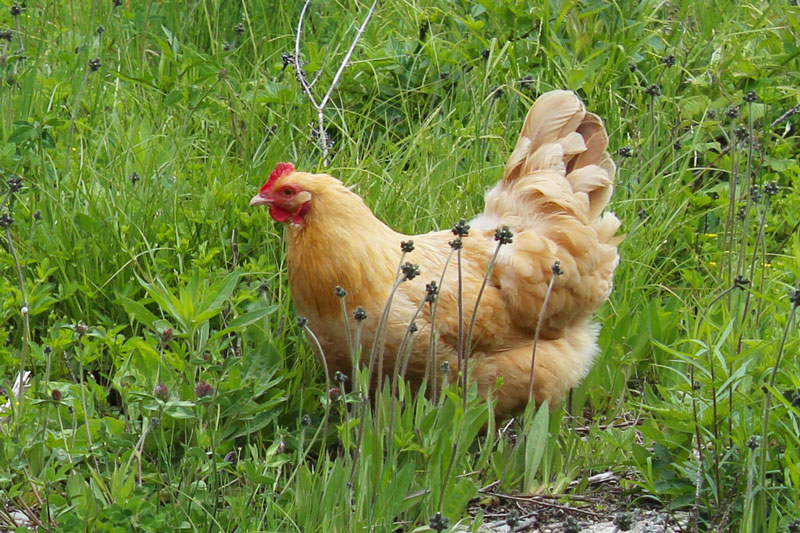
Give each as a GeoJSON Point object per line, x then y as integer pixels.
{"type": "Point", "coordinates": [24, 309]}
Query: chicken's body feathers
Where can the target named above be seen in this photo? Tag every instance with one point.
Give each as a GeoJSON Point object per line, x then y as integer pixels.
{"type": "Point", "coordinates": [552, 196]}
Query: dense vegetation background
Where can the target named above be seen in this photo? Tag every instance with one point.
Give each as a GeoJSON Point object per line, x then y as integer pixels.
{"type": "Point", "coordinates": [169, 385]}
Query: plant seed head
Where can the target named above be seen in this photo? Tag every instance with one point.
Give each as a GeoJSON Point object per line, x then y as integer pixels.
{"type": "Point", "coordinates": [302, 322]}
{"type": "Point", "coordinates": [456, 244]}
{"type": "Point", "coordinates": [359, 314]}
{"type": "Point", "coordinates": [461, 229]}
{"type": "Point", "coordinates": [741, 213]}
{"type": "Point", "coordinates": [571, 525]}
{"type": "Point", "coordinates": [512, 519]}
{"type": "Point", "coordinates": [410, 271]}
{"type": "Point", "coordinates": [407, 246]}
{"type": "Point", "coordinates": [669, 61]}
{"type": "Point", "coordinates": [504, 235]}
{"type": "Point", "coordinates": [653, 90]}
{"type": "Point", "coordinates": [14, 183]}
{"type": "Point", "coordinates": [794, 297]}
{"type": "Point", "coordinates": [439, 522]}
{"type": "Point", "coordinates": [16, 9]}
{"type": "Point", "coordinates": [625, 151]}
{"type": "Point", "coordinates": [203, 389]}
{"type": "Point", "coordinates": [94, 64]}
{"type": "Point", "coordinates": [340, 292]}
{"type": "Point", "coordinates": [624, 521]}
{"type": "Point", "coordinates": [556, 268]}
{"type": "Point", "coordinates": [740, 282]}
{"type": "Point", "coordinates": [752, 442]}
{"type": "Point", "coordinates": [305, 420]}
{"type": "Point", "coordinates": [6, 220]}
{"type": "Point", "coordinates": [239, 28]}
{"type": "Point", "coordinates": [732, 112]}
{"type": "Point", "coordinates": [412, 328]}
{"type": "Point", "coordinates": [340, 377]}
{"type": "Point", "coordinates": [431, 291]}
{"type": "Point", "coordinates": [771, 188]}
{"type": "Point", "coordinates": [161, 392]}
{"type": "Point", "coordinates": [750, 97]}
{"type": "Point", "coordinates": [56, 395]}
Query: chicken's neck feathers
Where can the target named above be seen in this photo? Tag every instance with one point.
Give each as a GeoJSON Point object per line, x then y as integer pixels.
{"type": "Point", "coordinates": [342, 243]}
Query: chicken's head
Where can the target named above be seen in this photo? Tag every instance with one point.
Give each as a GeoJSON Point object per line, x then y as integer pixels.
{"type": "Point", "coordinates": [287, 201]}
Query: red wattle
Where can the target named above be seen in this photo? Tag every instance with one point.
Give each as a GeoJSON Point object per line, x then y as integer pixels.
{"type": "Point", "coordinates": [279, 214]}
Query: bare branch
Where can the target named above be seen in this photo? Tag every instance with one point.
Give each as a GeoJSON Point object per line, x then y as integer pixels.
{"type": "Point", "coordinates": [306, 86]}
{"type": "Point", "coordinates": [349, 53]}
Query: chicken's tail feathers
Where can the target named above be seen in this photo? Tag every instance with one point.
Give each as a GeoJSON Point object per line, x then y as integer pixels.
{"type": "Point", "coordinates": [553, 195]}
{"type": "Point", "coordinates": [560, 160]}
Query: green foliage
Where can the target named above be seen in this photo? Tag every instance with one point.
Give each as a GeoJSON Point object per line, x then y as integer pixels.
{"type": "Point", "coordinates": [149, 303]}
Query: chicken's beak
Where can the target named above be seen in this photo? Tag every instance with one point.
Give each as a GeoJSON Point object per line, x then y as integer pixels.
{"type": "Point", "coordinates": [259, 200]}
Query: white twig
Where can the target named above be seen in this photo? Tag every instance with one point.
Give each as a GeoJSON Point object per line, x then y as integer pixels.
{"type": "Point", "coordinates": [301, 76]}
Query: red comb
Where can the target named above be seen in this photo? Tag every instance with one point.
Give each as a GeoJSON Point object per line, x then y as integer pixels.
{"type": "Point", "coordinates": [280, 170]}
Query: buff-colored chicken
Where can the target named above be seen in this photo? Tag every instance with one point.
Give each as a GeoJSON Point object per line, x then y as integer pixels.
{"type": "Point", "coordinates": [552, 196]}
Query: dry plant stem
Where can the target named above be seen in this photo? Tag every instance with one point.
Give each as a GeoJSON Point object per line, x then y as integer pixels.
{"type": "Point", "coordinates": [346, 327]}
{"type": "Point", "coordinates": [431, 363]}
{"type": "Point", "coordinates": [759, 241]}
{"type": "Point", "coordinates": [360, 439]}
{"type": "Point", "coordinates": [301, 77]}
{"type": "Point", "coordinates": [400, 366]}
{"type": "Point", "coordinates": [379, 343]}
{"type": "Point", "coordinates": [25, 318]}
{"type": "Point", "coordinates": [747, 187]}
{"type": "Point", "coordinates": [536, 334]}
{"type": "Point", "coordinates": [400, 361]}
{"type": "Point", "coordinates": [461, 355]}
{"type": "Point", "coordinates": [361, 388]}
{"type": "Point", "coordinates": [698, 489]}
{"type": "Point", "coordinates": [489, 269]}
{"type": "Point", "coordinates": [74, 116]}
{"type": "Point", "coordinates": [785, 116]}
{"type": "Point", "coordinates": [768, 401]}
{"type": "Point", "coordinates": [328, 400]}
{"type": "Point", "coordinates": [730, 227]}
{"type": "Point", "coordinates": [699, 479]}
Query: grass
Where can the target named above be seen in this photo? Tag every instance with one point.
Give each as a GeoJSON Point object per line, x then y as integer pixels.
{"type": "Point", "coordinates": [130, 246]}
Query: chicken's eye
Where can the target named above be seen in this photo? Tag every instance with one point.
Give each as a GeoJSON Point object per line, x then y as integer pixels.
{"type": "Point", "coordinates": [287, 192]}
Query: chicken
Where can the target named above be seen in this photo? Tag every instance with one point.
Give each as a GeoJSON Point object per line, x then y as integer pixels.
{"type": "Point", "coordinates": [554, 189]}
